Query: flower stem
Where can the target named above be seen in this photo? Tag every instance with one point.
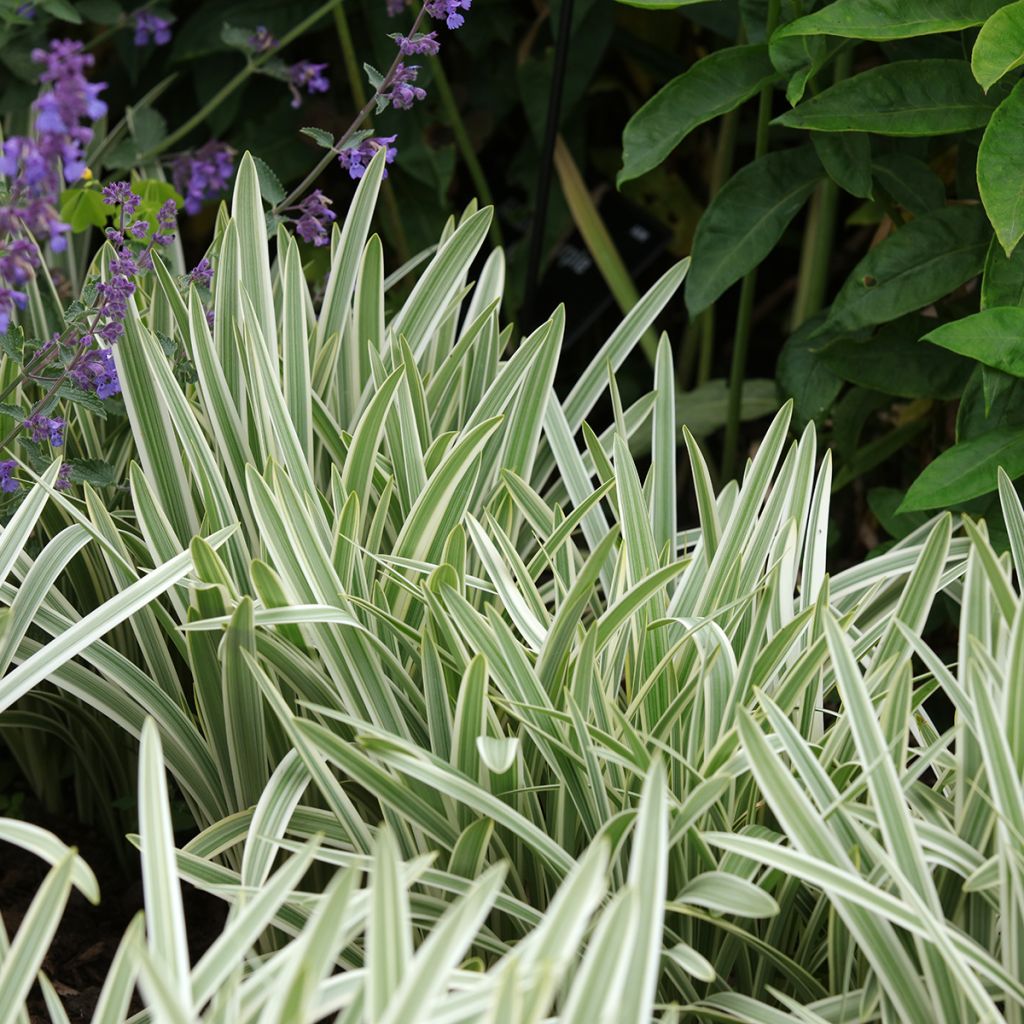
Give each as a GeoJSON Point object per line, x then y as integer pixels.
{"type": "Point", "coordinates": [353, 72]}
{"type": "Point", "coordinates": [744, 317]}
{"type": "Point", "coordinates": [465, 144]}
{"type": "Point", "coordinates": [363, 114]}
{"type": "Point", "coordinates": [252, 65]}
{"type": "Point", "coordinates": [819, 233]}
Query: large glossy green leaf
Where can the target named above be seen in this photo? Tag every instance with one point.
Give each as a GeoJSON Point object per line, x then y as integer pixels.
{"type": "Point", "coordinates": [968, 470]}
{"type": "Point", "coordinates": [999, 47]}
{"type": "Point", "coordinates": [915, 266]}
{"type": "Point", "coordinates": [746, 219]}
{"type": "Point", "coordinates": [877, 19]}
{"type": "Point", "coordinates": [1000, 156]}
{"type": "Point", "coordinates": [1002, 283]}
{"type": "Point", "coordinates": [909, 97]}
{"type": "Point", "coordinates": [713, 86]}
{"type": "Point", "coordinates": [994, 337]}
{"type": "Point", "coordinates": [846, 156]}
{"type": "Point", "coordinates": [894, 362]}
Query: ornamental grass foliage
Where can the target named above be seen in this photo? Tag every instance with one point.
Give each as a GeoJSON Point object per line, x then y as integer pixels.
{"type": "Point", "coordinates": [409, 662]}
{"type": "Point", "coordinates": [467, 728]}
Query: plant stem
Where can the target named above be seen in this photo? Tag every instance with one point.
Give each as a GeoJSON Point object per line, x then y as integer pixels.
{"type": "Point", "coordinates": [353, 72]}
{"type": "Point", "coordinates": [744, 317]}
{"type": "Point", "coordinates": [817, 248]}
{"type": "Point", "coordinates": [363, 114]}
{"type": "Point", "coordinates": [819, 233]}
{"type": "Point", "coordinates": [252, 65]}
{"type": "Point", "coordinates": [540, 212]}
{"type": "Point", "coordinates": [597, 239]}
{"type": "Point", "coordinates": [348, 55]}
{"type": "Point", "coordinates": [725, 152]}
{"type": "Point", "coordinates": [464, 144]}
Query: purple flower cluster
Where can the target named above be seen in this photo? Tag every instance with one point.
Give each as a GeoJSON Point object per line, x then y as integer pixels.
{"type": "Point", "coordinates": [423, 42]}
{"type": "Point", "coordinates": [17, 264]}
{"type": "Point", "coordinates": [63, 477]}
{"type": "Point", "coordinates": [400, 89]}
{"type": "Point", "coordinates": [448, 11]}
{"type": "Point", "coordinates": [309, 76]}
{"type": "Point", "coordinates": [7, 482]}
{"type": "Point", "coordinates": [95, 371]}
{"type": "Point", "coordinates": [34, 164]}
{"type": "Point", "coordinates": [201, 274]}
{"type": "Point", "coordinates": [261, 40]}
{"type": "Point", "coordinates": [43, 428]}
{"type": "Point", "coordinates": [151, 28]}
{"type": "Point", "coordinates": [355, 158]}
{"type": "Point", "coordinates": [203, 174]}
{"type": "Point", "coordinates": [315, 216]}
{"type": "Point", "coordinates": [398, 86]}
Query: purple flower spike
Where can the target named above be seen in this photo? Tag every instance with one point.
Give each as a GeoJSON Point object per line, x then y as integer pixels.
{"type": "Point", "coordinates": [95, 371]}
{"type": "Point", "coordinates": [355, 159]}
{"type": "Point", "coordinates": [401, 91]}
{"type": "Point", "coordinates": [63, 477]}
{"type": "Point", "coordinates": [425, 43]}
{"type": "Point", "coordinates": [7, 483]}
{"type": "Point", "coordinates": [203, 174]}
{"type": "Point", "coordinates": [166, 223]}
{"type": "Point", "coordinates": [309, 76]}
{"type": "Point", "coordinates": [9, 298]}
{"type": "Point", "coordinates": [315, 216]}
{"type": "Point", "coordinates": [448, 11]}
{"type": "Point", "coordinates": [43, 428]}
{"type": "Point", "coordinates": [201, 274]}
{"type": "Point", "coordinates": [151, 27]}
{"type": "Point", "coordinates": [119, 193]}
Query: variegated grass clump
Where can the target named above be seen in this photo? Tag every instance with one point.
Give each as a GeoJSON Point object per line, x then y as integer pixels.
{"type": "Point", "coordinates": [470, 730]}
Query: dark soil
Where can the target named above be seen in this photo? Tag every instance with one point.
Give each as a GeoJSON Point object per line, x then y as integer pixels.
{"type": "Point", "coordinates": [88, 937]}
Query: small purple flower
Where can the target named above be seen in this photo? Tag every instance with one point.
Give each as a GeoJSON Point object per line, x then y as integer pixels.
{"type": "Point", "coordinates": [139, 229]}
{"type": "Point", "coordinates": [355, 158]}
{"type": "Point", "coordinates": [17, 260]}
{"type": "Point", "coordinates": [43, 428]}
{"type": "Point", "coordinates": [63, 477]}
{"type": "Point", "coordinates": [7, 483]}
{"type": "Point", "coordinates": [201, 274]}
{"type": "Point", "coordinates": [309, 76]}
{"type": "Point", "coordinates": [119, 193]}
{"type": "Point", "coordinates": [95, 371]}
{"type": "Point", "coordinates": [203, 174]}
{"type": "Point", "coordinates": [209, 319]}
{"type": "Point", "coordinates": [448, 11]}
{"type": "Point", "coordinates": [425, 43]}
{"type": "Point", "coordinates": [400, 89]}
{"type": "Point", "coordinates": [315, 216]}
{"type": "Point", "coordinates": [166, 223]}
{"type": "Point", "coordinates": [9, 298]}
{"type": "Point", "coordinates": [261, 40]}
{"type": "Point", "coordinates": [395, 8]}
{"type": "Point", "coordinates": [149, 27]}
